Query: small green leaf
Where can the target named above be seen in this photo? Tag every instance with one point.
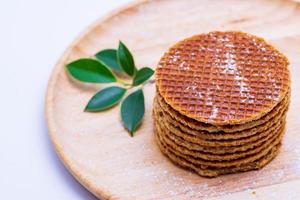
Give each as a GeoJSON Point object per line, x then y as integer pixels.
{"type": "Point", "coordinates": [125, 59]}
{"type": "Point", "coordinates": [109, 58]}
{"type": "Point", "coordinates": [132, 110]}
{"type": "Point", "coordinates": [91, 71]}
{"type": "Point", "coordinates": [142, 75]}
{"type": "Point", "coordinates": [105, 98]}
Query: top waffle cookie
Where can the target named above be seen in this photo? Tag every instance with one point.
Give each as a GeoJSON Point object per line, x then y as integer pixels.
{"type": "Point", "coordinates": [223, 78]}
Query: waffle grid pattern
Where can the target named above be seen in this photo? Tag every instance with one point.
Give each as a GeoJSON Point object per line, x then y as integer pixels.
{"type": "Point", "coordinates": [223, 77]}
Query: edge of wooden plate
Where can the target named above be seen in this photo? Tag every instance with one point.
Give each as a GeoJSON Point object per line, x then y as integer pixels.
{"type": "Point", "coordinates": [98, 192]}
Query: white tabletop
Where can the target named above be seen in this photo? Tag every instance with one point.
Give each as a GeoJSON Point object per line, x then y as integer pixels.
{"type": "Point", "coordinates": [34, 34]}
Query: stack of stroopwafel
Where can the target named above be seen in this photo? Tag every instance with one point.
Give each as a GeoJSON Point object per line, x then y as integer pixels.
{"type": "Point", "coordinates": [221, 103]}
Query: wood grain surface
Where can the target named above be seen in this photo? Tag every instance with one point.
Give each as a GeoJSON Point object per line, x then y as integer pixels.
{"type": "Point", "coordinates": [98, 151]}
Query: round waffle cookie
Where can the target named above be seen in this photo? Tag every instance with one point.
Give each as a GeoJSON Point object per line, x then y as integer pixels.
{"type": "Point", "coordinates": [223, 78]}
{"type": "Point", "coordinates": [218, 150]}
{"type": "Point", "coordinates": [187, 131]}
{"type": "Point", "coordinates": [213, 172]}
{"type": "Point", "coordinates": [185, 149]}
{"type": "Point", "coordinates": [221, 103]}
{"type": "Point", "coordinates": [193, 124]}
{"type": "Point", "coordinates": [205, 162]}
{"type": "Point", "coordinates": [258, 137]}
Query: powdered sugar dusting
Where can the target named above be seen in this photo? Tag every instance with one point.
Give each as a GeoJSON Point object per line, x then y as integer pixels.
{"type": "Point", "coordinates": [214, 113]}
{"type": "Point", "coordinates": [275, 95]}
{"type": "Point", "coordinates": [175, 57]}
{"type": "Point", "coordinates": [230, 67]}
{"type": "Point", "coordinates": [209, 101]}
{"type": "Point", "coordinates": [184, 66]}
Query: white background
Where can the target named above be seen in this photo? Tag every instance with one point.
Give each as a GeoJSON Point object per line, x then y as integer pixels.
{"type": "Point", "coordinates": [33, 35]}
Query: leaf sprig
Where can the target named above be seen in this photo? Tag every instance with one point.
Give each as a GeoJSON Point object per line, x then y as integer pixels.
{"type": "Point", "coordinates": [114, 66]}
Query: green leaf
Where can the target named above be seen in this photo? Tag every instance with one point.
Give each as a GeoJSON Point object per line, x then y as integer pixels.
{"type": "Point", "coordinates": [91, 71]}
{"type": "Point", "coordinates": [125, 59]}
{"type": "Point", "coordinates": [105, 99]}
{"type": "Point", "coordinates": [132, 110]}
{"type": "Point", "coordinates": [109, 58]}
{"type": "Point", "coordinates": [142, 75]}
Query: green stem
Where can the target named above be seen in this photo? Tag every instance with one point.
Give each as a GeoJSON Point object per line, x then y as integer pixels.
{"type": "Point", "coordinates": [124, 83]}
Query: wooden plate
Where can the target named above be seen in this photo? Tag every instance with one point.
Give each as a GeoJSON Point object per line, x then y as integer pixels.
{"type": "Point", "coordinates": [100, 154]}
